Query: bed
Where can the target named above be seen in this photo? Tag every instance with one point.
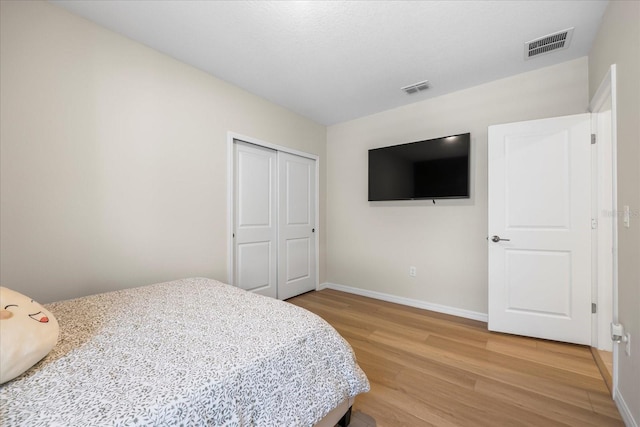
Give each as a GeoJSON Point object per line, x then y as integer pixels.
{"type": "Point", "coordinates": [187, 352]}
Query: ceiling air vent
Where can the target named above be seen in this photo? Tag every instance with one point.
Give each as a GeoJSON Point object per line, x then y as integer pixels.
{"type": "Point", "coordinates": [548, 43]}
{"type": "Point", "coordinates": [416, 87]}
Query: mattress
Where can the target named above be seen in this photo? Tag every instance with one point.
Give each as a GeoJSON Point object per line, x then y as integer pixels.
{"type": "Point", "coordinates": [187, 352]}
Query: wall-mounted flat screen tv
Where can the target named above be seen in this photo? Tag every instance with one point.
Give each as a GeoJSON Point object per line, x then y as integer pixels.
{"type": "Point", "coordinates": [431, 169]}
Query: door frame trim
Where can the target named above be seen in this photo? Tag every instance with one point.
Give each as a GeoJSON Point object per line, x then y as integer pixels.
{"type": "Point", "coordinates": [231, 136]}
{"type": "Point", "coordinates": [608, 89]}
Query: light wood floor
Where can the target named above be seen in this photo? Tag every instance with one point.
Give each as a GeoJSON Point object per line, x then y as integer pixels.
{"type": "Point", "coordinates": [428, 368]}
{"type": "Point", "coordinates": [604, 361]}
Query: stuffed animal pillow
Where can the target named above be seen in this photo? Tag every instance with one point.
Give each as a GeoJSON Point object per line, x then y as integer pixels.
{"type": "Point", "coordinates": [28, 332]}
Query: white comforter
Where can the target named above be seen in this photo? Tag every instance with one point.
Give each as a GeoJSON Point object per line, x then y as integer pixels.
{"type": "Point", "coordinates": [188, 352]}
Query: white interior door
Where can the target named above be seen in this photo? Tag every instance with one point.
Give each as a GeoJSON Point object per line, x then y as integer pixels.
{"type": "Point", "coordinates": [255, 218]}
{"type": "Point", "coordinates": [540, 228]}
{"type": "Point", "coordinates": [274, 220]}
{"type": "Point", "coordinates": [296, 221]}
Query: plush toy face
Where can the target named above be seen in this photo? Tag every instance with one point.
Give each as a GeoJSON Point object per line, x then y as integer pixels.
{"type": "Point", "coordinates": [28, 332]}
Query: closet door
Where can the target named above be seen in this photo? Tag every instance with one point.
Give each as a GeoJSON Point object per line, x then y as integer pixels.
{"type": "Point", "coordinates": [255, 218]}
{"type": "Point", "coordinates": [296, 225]}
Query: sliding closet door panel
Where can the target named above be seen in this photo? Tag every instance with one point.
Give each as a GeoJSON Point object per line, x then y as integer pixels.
{"type": "Point", "coordinates": [296, 220]}
{"type": "Point", "coordinates": [298, 259]}
{"type": "Point", "coordinates": [255, 218]}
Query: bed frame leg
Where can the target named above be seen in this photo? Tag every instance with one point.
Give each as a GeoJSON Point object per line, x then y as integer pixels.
{"type": "Point", "coordinates": [346, 419]}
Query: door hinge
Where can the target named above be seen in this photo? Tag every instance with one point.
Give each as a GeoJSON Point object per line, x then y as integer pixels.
{"type": "Point", "coordinates": [594, 307]}
{"type": "Point", "coordinates": [593, 138]}
{"type": "Point", "coordinates": [594, 223]}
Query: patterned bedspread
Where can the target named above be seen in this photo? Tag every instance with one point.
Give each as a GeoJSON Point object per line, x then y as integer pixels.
{"type": "Point", "coordinates": [188, 352]}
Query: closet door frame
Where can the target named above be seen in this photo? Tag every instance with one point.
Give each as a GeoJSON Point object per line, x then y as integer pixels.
{"type": "Point", "coordinates": [231, 136]}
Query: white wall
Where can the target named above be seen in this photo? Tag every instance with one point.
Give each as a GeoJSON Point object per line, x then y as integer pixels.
{"type": "Point", "coordinates": [618, 42]}
{"type": "Point", "coordinates": [113, 158]}
{"type": "Point", "coordinates": [371, 245]}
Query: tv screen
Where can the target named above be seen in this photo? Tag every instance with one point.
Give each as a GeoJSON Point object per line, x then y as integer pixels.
{"type": "Point", "coordinates": [431, 169]}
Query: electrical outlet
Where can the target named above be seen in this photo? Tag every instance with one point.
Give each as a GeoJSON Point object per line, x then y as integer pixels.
{"type": "Point", "coordinates": [412, 272]}
{"type": "Point", "coordinates": [627, 345]}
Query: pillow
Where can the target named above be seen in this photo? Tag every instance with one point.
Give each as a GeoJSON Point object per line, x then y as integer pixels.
{"type": "Point", "coordinates": [28, 330]}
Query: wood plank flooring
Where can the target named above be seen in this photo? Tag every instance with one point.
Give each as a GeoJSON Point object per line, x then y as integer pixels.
{"type": "Point", "coordinates": [604, 361]}
{"type": "Point", "coordinates": [428, 368]}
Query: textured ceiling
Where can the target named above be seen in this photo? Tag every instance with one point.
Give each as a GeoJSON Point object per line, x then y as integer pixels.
{"type": "Point", "coordinates": [333, 61]}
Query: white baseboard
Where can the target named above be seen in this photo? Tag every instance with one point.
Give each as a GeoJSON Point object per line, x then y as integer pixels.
{"type": "Point", "coordinates": [625, 412]}
{"type": "Point", "coordinates": [454, 311]}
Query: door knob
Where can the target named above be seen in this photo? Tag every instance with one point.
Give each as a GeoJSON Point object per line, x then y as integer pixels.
{"type": "Point", "coordinates": [497, 239]}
